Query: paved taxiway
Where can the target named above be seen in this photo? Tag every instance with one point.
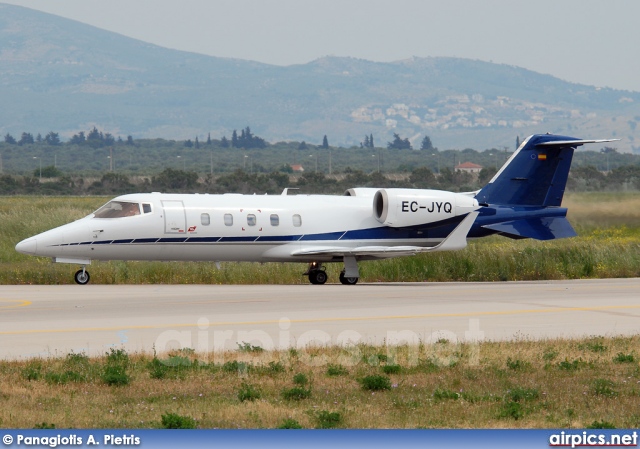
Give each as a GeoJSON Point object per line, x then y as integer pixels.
{"type": "Point", "coordinates": [54, 320]}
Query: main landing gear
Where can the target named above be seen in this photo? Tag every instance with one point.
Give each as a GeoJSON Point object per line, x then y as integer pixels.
{"type": "Point", "coordinates": [82, 276]}
{"type": "Point", "coordinates": [318, 275]}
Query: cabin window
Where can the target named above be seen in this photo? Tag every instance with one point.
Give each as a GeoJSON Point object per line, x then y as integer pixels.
{"type": "Point", "coordinates": [228, 220]}
{"type": "Point", "coordinates": [275, 220]}
{"type": "Point", "coordinates": [205, 219]}
{"type": "Point", "coordinates": [117, 209]}
{"type": "Point", "coordinates": [251, 220]}
{"type": "Point", "coordinates": [297, 220]}
{"type": "Point", "coordinates": [146, 208]}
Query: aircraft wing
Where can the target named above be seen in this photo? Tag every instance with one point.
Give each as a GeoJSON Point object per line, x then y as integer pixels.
{"type": "Point", "coordinates": [456, 240]}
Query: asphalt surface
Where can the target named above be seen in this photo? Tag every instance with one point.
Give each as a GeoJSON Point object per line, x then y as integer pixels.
{"type": "Point", "coordinates": [55, 320]}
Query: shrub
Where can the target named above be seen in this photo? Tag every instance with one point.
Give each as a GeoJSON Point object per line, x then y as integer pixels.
{"type": "Point", "coordinates": [441, 395]}
{"type": "Point", "coordinates": [604, 387]}
{"type": "Point", "coordinates": [337, 370]}
{"type": "Point", "coordinates": [516, 365]}
{"type": "Point", "coordinates": [566, 365]}
{"type": "Point", "coordinates": [513, 410]}
{"type": "Point", "coordinates": [624, 358]}
{"type": "Point", "coordinates": [601, 425]}
{"type": "Point", "coordinates": [328, 420]}
{"type": "Point", "coordinates": [116, 376]}
{"type": "Point", "coordinates": [300, 379]}
{"type": "Point", "coordinates": [248, 392]}
{"type": "Point", "coordinates": [64, 378]}
{"type": "Point", "coordinates": [248, 347]}
{"type": "Point", "coordinates": [44, 425]}
{"type": "Point", "coordinates": [290, 424]}
{"type": "Point", "coordinates": [391, 369]}
{"type": "Point", "coordinates": [376, 383]}
{"type": "Point", "coordinates": [236, 367]}
{"type": "Point", "coordinates": [174, 421]}
{"type": "Point", "coordinates": [296, 393]}
{"type": "Point", "coordinates": [519, 394]}
{"type": "Point", "coordinates": [32, 372]}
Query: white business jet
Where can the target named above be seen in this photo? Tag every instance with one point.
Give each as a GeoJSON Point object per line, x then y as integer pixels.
{"type": "Point", "coordinates": [521, 201]}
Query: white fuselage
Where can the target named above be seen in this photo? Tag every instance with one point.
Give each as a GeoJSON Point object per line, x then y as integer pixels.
{"type": "Point", "coordinates": [231, 227]}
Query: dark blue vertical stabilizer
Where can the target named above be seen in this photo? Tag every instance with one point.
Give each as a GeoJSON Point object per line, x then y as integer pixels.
{"type": "Point", "coordinates": [535, 175]}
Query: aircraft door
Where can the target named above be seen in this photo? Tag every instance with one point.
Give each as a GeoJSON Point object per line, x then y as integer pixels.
{"type": "Point", "coordinates": [175, 218]}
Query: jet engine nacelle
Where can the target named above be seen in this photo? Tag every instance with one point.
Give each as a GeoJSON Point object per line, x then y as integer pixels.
{"type": "Point", "coordinates": [412, 207]}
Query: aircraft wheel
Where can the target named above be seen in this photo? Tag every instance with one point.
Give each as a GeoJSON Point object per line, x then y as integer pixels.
{"type": "Point", "coordinates": [82, 277]}
{"type": "Point", "coordinates": [318, 276]}
{"type": "Point", "coordinates": [347, 281]}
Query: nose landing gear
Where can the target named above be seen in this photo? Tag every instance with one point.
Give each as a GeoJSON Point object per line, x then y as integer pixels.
{"type": "Point", "coordinates": [82, 276]}
{"type": "Point", "coordinates": [316, 273]}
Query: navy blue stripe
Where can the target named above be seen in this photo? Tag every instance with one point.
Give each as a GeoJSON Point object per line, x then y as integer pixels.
{"type": "Point", "coordinates": [123, 241]}
{"type": "Point", "coordinates": [279, 238]}
{"type": "Point", "coordinates": [238, 239]}
{"type": "Point", "coordinates": [172, 240]}
{"type": "Point", "coordinates": [325, 236]}
{"type": "Point", "coordinates": [203, 239]}
{"type": "Point", "coordinates": [102, 242]}
{"type": "Point", "coordinates": [145, 240]}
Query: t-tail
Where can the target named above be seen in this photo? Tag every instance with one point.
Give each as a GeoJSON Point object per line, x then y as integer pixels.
{"type": "Point", "coordinates": [523, 199]}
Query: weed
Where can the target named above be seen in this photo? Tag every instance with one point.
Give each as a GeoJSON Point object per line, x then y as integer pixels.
{"type": "Point", "coordinates": [376, 383]}
{"type": "Point", "coordinates": [337, 370]}
{"type": "Point", "coordinates": [549, 355]}
{"type": "Point", "coordinates": [296, 393]}
{"type": "Point", "coordinates": [290, 424]}
{"type": "Point", "coordinates": [604, 387]}
{"type": "Point", "coordinates": [516, 365]}
{"type": "Point", "coordinates": [248, 347]}
{"type": "Point", "coordinates": [624, 358]}
{"type": "Point", "coordinates": [391, 369]}
{"type": "Point", "coordinates": [32, 372]}
{"type": "Point", "coordinates": [300, 379]}
{"type": "Point", "coordinates": [64, 378]}
{"type": "Point", "coordinates": [117, 357]}
{"type": "Point", "coordinates": [593, 346]}
{"type": "Point", "coordinates": [276, 367]}
{"type": "Point", "coordinates": [601, 425]}
{"type": "Point", "coordinates": [519, 394]}
{"type": "Point", "coordinates": [512, 410]}
{"type": "Point", "coordinates": [248, 392]}
{"type": "Point", "coordinates": [236, 367]}
{"type": "Point", "coordinates": [175, 421]}
{"type": "Point", "coordinates": [115, 375]}
{"type": "Point", "coordinates": [328, 420]}
{"type": "Point", "coordinates": [43, 425]}
{"type": "Point", "coordinates": [566, 365]}
{"type": "Point", "coordinates": [442, 395]}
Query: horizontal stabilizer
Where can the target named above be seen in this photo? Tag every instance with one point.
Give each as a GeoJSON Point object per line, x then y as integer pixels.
{"type": "Point", "coordinates": [573, 143]}
{"type": "Point", "coordinates": [546, 228]}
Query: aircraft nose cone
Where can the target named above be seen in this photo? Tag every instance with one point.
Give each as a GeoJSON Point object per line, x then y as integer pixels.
{"type": "Point", "coordinates": [28, 246]}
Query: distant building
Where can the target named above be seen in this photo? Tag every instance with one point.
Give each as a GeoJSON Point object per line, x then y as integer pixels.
{"type": "Point", "coordinates": [469, 167]}
{"type": "Point", "coordinates": [297, 168]}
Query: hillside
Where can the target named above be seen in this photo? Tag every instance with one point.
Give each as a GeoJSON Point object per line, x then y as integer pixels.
{"type": "Point", "coordinates": [61, 75]}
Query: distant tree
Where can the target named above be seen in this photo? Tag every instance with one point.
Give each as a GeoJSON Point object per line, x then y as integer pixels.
{"type": "Point", "coordinates": [399, 143]}
{"type": "Point", "coordinates": [39, 138]}
{"type": "Point", "coordinates": [196, 143]}
{"type": "Point", "coordinates": [517, 142]}
{"type": "Point", "coordinates": [26, 139]}
{"type": "Point", "coordinates": [109, 140]}
{"type": "Point", "coordinates": [52, 139]}
{"type": "Point", "coordinates": [188, 143]}
{"type": "Point", "coordinates": [78, 139]}
{"type": "Point", "coordinates": [303, 145]}
{"type": "Point", "coordinates": [209, 139]}
{"type": "Point", "coordinates": [130, 141]}
{"type": "Point", "coordinates": [224, 142]}
{"type": "Point", "coordinates": [171, 179]}
{"type": "Point", "coordinates": [426, 144]}
{"type": "Point", "coordinates": [365, 144]}
{"type": "Point", "coordinates": [325, 142]}
{"type": "Point", "coordinates": [48, 172]}
{"type": "Point", "coordinates": [9, 139]}
{"type": "Point", "coordinates": [485, 175]}
{"type": "Point", "coordinates": [423, 178]}
{"type": "Point", "coordinates": [234, 139]}
{"type": "Point", "coordinates": [371, 144]}
{"type": "Point", "coordinates": [95, 135]}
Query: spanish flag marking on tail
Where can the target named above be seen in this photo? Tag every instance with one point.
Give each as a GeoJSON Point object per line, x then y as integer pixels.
{"type": "Point", "coordinates": [542, 157]}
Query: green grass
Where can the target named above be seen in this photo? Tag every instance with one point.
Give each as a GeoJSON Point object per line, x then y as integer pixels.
{"type": "Point", "coordinates": [608, 245]}
{"type": "Point", "coordinates": [479, 391]}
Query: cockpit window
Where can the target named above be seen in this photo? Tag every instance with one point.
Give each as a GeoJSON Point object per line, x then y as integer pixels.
{"type": "Point", "coordinates": [116, 209]}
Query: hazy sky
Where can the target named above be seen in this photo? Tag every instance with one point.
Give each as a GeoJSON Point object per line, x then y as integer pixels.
{"type": "Point", "coordinates": [585, 41]}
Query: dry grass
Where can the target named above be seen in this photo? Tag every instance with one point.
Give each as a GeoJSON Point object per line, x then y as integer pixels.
{"type": "Point", "coordinates": [522, 384]}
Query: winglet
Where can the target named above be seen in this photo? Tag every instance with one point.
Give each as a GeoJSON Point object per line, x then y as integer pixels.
{"type": "Point", "coordinates": [458, 237]}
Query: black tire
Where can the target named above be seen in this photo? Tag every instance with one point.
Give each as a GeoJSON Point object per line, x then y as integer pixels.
{"type": "Point", "coordinates": [318, 277]}
{"type": "Point", "coordinates": [347, 281]}
{"type": "Point", "coordinates": [82, 277]}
